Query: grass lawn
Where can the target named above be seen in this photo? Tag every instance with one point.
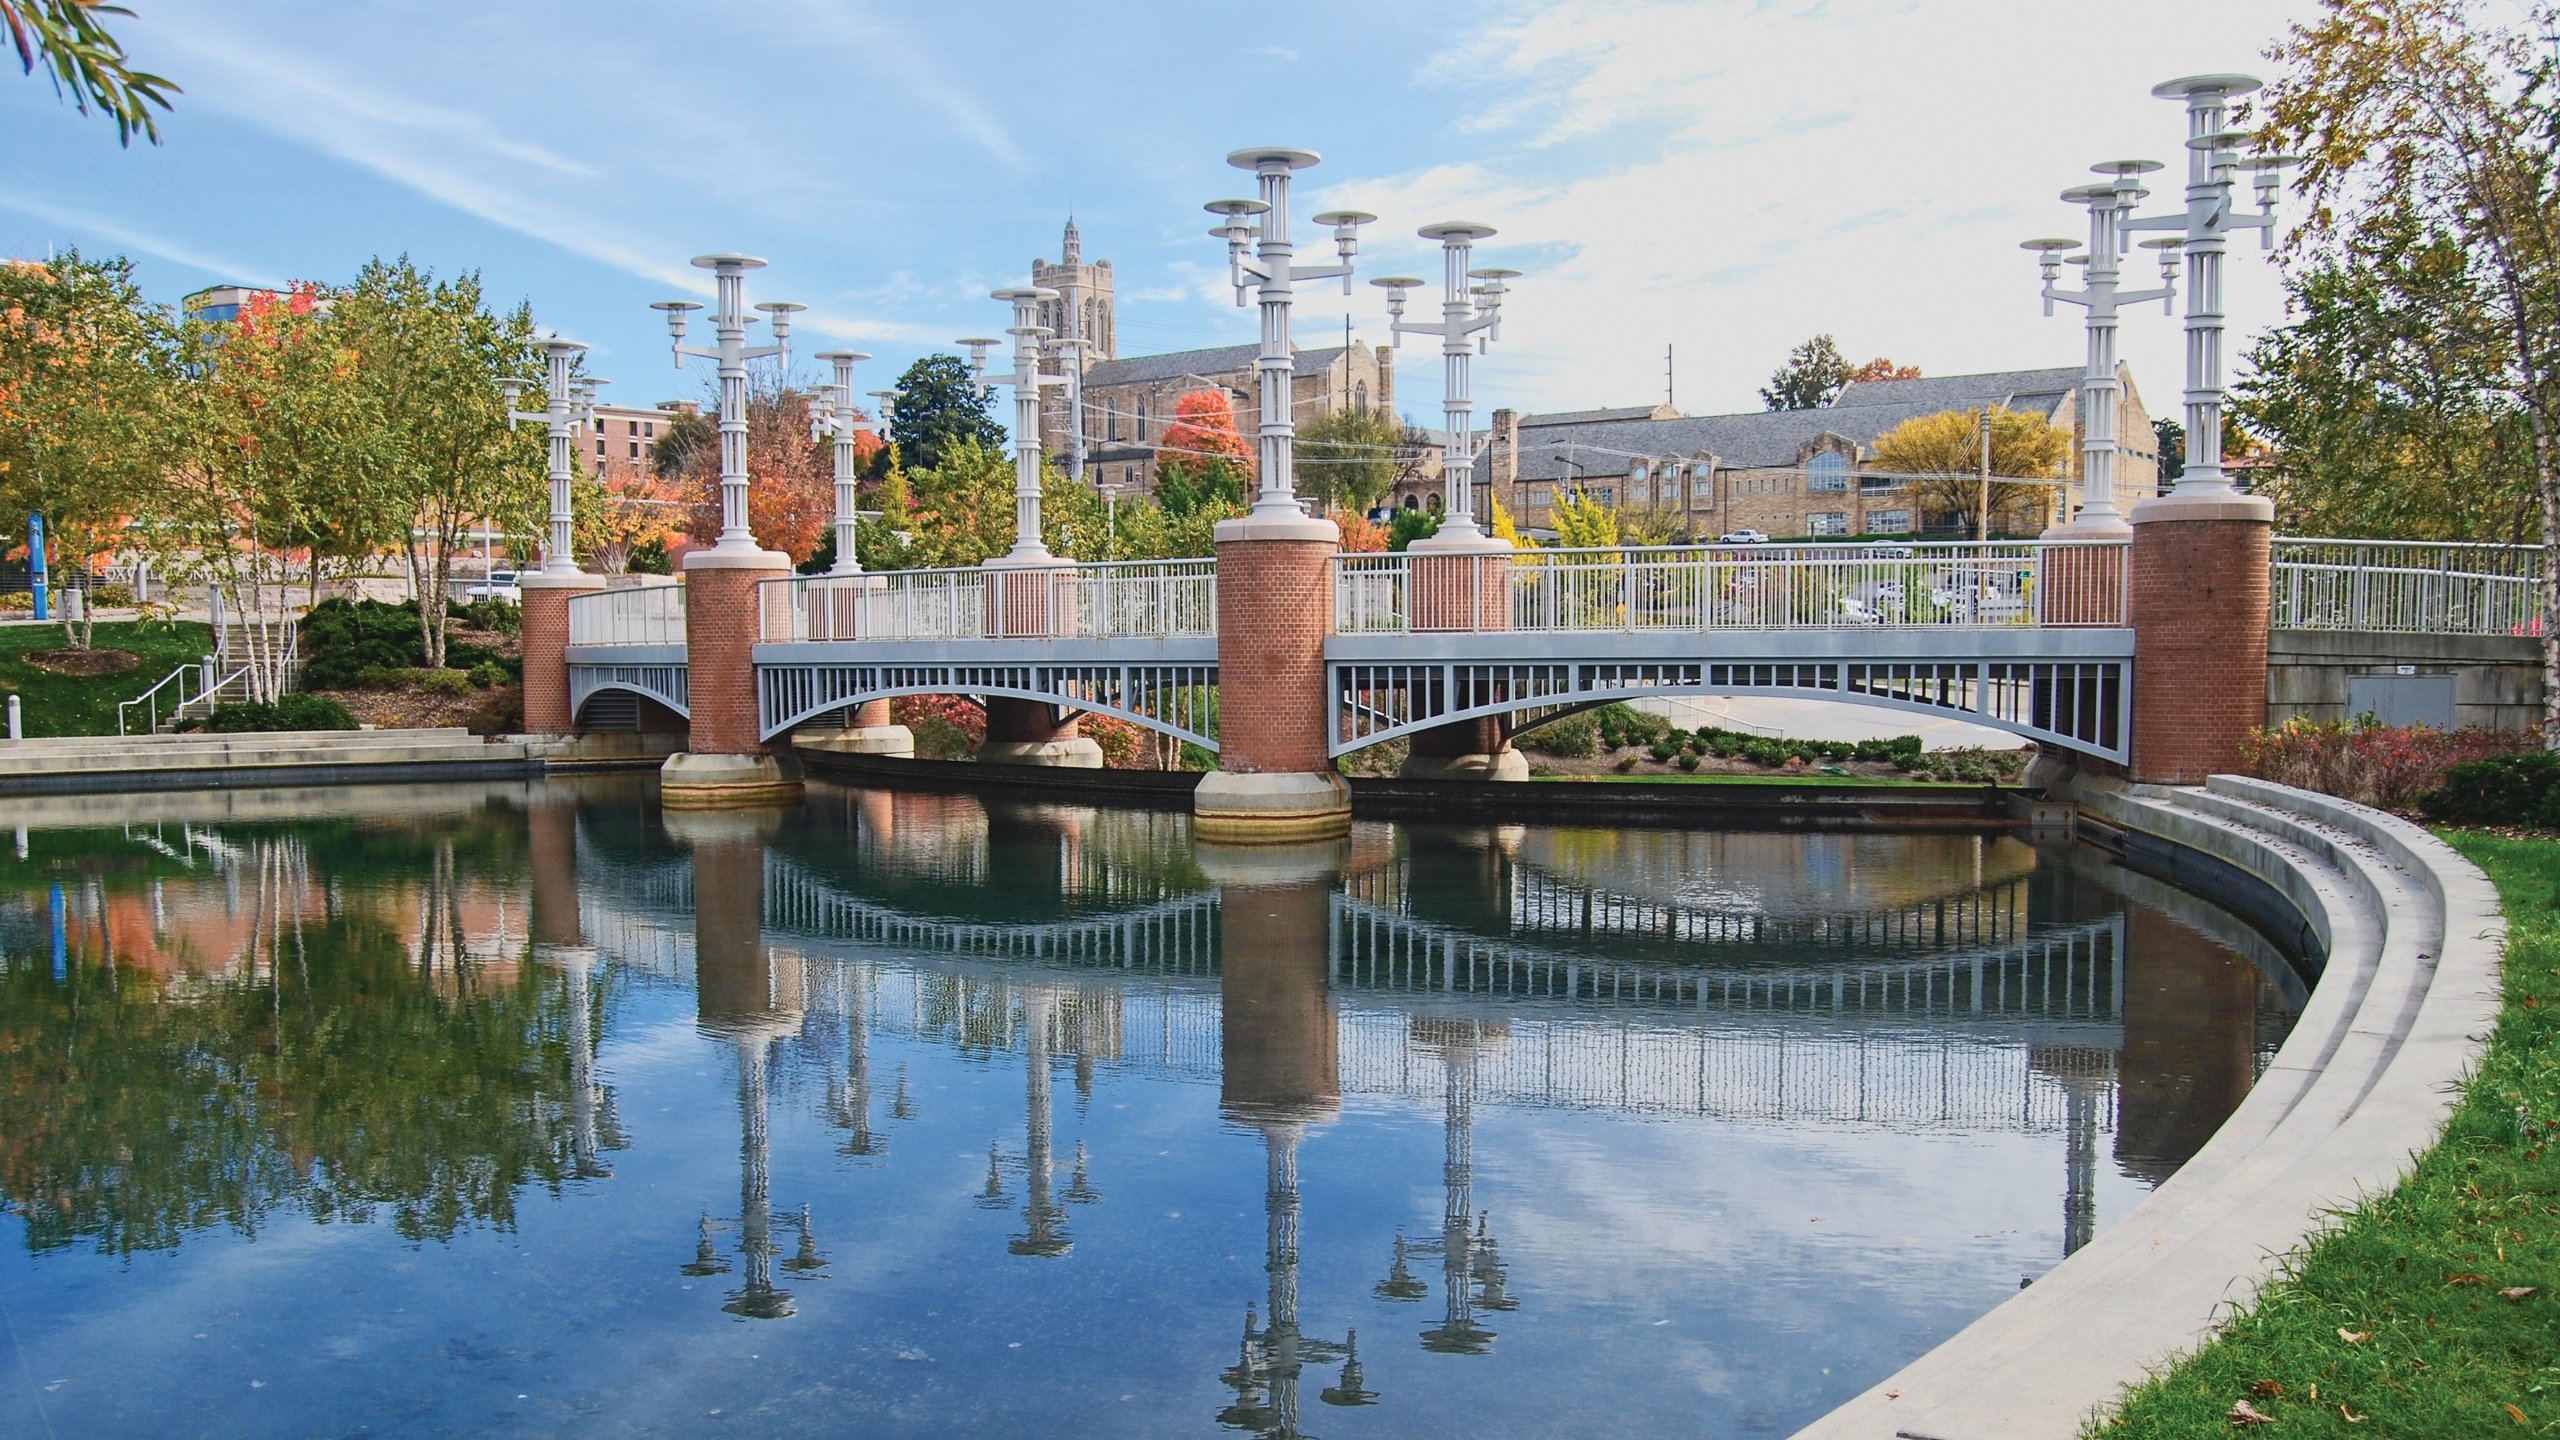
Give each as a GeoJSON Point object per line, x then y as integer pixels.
{"type": "Point", "coordinates": [1853, 781]}
{"type": "Point", "coordinates": [50, 704]}
{"type": "Point", "coordinates": [2448, 1289]}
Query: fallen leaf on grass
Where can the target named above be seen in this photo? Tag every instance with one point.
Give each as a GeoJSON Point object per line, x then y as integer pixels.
{"type": "Point", "coordinates": [2518, 1414]}
{"type": "Point", "coordinates": [2350, 1416]}
{"type": "Point", "coordinates": [2354, 1337]}
{"type": "Point", "coordinates": [2268, 1389]}
{"type": "Point", "coordinates": [2515, 1292]}
{"type": "Point", "coordinates": [2466, 1279]}
{"type": "Point", "coordinates": [2244, 1413]}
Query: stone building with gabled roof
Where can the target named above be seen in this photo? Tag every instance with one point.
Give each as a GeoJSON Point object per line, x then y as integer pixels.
{"type": "Point", "coordinates": [1788, 473]}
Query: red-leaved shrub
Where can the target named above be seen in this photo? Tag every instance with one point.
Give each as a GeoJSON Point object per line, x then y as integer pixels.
{"type": "Point", "coordinates": [2389, 766]}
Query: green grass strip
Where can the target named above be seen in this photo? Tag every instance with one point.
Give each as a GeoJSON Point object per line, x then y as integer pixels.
{"type": "Point", "coordinates": [1862, 782]}
{"type": "Point", "coordinates": [2423, 1282]}
{"type": "Point", "coordinates": [50, 704]}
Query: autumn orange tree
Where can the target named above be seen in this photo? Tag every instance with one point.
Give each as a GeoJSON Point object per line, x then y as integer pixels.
{"type": "Point", "coordinates": [791, 494]}
{"type": "Point", "coordinates": [1202, 460]}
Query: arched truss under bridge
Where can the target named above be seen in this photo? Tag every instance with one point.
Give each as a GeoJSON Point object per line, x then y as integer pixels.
{"type": "Point", "coordinates": [1173, 698]}
{"type": "Point", "coordinates": [662, 681]}
{"type": "Point", "coordinates": [2082, 704]}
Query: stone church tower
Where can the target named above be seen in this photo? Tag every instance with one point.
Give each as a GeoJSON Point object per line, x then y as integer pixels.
{"type": "Point", "coordinates": [1082, 310]}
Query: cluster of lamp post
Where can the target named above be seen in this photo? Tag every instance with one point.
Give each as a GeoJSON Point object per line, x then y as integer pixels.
{"type": "Point", "coordinates": [2199, 235]}
{"type": "Point", "coordinates": [1263, 269]}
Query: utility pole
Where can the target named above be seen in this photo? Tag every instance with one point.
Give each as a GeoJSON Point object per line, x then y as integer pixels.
{"type": "Point", "coordinates": [1982, 501]}
{"type": "Point", "coordinates": [1669, 392]}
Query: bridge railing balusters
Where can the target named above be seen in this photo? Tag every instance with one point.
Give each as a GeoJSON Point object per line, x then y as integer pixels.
{"type": "Point", "coordinates": [1152, 599]}
{"type": "Point", "coordinates": [628, 615]}
{"type": "Point", "coordinates": [2412, 586]}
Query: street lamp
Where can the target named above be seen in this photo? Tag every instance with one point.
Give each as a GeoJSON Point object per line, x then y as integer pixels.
{"type": "Point", "coordinates": [2101, 298]}
{"type": "Point", "coordinates": [1467, 313]}
{"type": "Point", "coordinates": [835, 416]}
{"type": "Point", "coordinates": [1262, 226]}
{"type": "Point", "coordinates": [1026, 380]}
{"type": "Point", "coordinates": [2213, 162]}
{"type": "Point", "coordinates": [571, 403]}
{"type": "Point", "coordinates": [730, 319]}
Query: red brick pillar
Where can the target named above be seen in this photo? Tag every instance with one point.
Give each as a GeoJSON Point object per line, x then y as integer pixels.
{"type": "Point", "coordinates": [551, 849]}
{"type": "Point", "coordinates": [1277, 1036]}
{"type": "Point", "coordinates": [1463, 586]}
{"type": "Point", "coordinates": [727, 761]}
{"type": "Point", "coordinates": [1026, 732]}
{"type": "Point", "coordinates": [742, 989]}
{"type": "Point", "coordinates": [2200, 591]}
{"type": "Point", "coordinates": [1274, 781]}
{"type": "Point", "coordinates": [546, 647]}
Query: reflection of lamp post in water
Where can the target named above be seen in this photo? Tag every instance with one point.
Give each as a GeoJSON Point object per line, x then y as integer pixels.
{"type": "Point", "coordinates": [1471, 1270]}
{"type": "Point", "coordinates": [1046, 1219]}
{"type": "Point", "coordinates": [758, 1298]}
{"type": "Point", "coordinates": [1270, 1358]}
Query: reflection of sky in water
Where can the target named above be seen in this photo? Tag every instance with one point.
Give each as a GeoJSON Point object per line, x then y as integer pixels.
{"type": "Point", "coordinates": [1676, 1264]}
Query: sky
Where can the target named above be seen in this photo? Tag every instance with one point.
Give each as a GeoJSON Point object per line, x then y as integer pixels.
{"type": "Point", "coordinates": [1719, 177]}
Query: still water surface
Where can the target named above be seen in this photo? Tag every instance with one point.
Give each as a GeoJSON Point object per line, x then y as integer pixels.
{"type": "Point", "coordinates": [524, 1109]}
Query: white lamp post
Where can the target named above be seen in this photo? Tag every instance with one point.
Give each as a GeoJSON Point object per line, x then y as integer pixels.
{"type": "Point", "coordinates": [2213, 162]}
{"type": "Point", "coordinates": [1026, 380]}
{"type": "Point", "coordinates": [571, 403]}
{"type": "Point", "coordinates": [1467, 313]}
{"type": "Point", "coordinates": [1263, 227]}
{"type": "Point", "coordinates": [2102, 299]}
{"type": "Point", "coordinates": [730, 319]}
{"type": "Point", "coordinates": [835, 416]}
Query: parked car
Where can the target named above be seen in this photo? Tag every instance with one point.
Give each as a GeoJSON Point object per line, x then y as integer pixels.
{"type": "Point", "coordinates": [501, 585]}
{"type": "Point", "coordinates": [1889, 552]}
{"type": "Point", "coordinates": [1743, 537]}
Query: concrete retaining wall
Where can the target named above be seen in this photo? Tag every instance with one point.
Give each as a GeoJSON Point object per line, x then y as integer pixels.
{"type": "Point", "coordinates": [2497, 679]}
{"type": "Point", "coordinates": [2405, 1001]}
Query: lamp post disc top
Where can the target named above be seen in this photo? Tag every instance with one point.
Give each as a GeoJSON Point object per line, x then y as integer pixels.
{"type": "Point", "coordinates": [1026, 329]}
{"type": "Point", "coordinates": [1257, 156]}
{"type": "Point", "coordinates": [2220, 140]}
{"type": "Point", "coordinates": [562, 345]}
{"type": "Point", "coordinates": [2049, 245]}
{"type": "Point", "coordinates": [2125, 167]}
{"type": "Point", "coordinates": [977, 340]}
{"type": "Point", "coordinates": [2165, 242]}
{"type": "Point", "coordinates": [780, 307]}
{"type": "Point", "coordinates": [1233, 208]}
{"type": "Point", "coordinates": [714, 262]}
{"type": "Point", "coordinates": [2083, 194]}
{"type": "Point", "coordinates": [1493, 272]}
{"type": "Point", "coordinates": [1455, 230]}
{"type": "Point", "coordinates": [832, 355]}
{"type": "Point", "coordinates": [1346, 217]}
{"type": "Point", "coordinates": [2228, 86]}
{"type": "Point", "coordinates": [1024, 292]}
{"type": "Point", "coordinates": [1396, 282]}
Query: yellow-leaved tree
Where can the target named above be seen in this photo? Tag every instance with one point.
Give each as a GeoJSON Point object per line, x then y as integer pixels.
{"type": "Point", "coordinates": [1942, 455]}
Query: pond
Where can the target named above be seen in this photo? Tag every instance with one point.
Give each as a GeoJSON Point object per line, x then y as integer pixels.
{"type": "Point", "coordinates": [530, 1109]}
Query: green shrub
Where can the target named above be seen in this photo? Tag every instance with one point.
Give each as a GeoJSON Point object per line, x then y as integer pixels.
{"type": "Point", "coordinates": [463, 655]}
{"type": "Point", "coordinates": [1663, 750]}
{"type": "Point", "coordinates": [1623, 725]}
{"type": "Point", "coordinates": [2501, 790]}
{"type": "Point", "coordinates": [293, 712]}
{"type": "Point", "coordinates": [1626, 764]}
{"type": "Point", "coordinates": [112, 597]}
{"type": "Point", "coordinates": [495, 615]}
{"type": "Point", "coordinates": [343, 640]}
{"type": "Point", "coordinates": [500, 712]}
{"type": "Point", "coordinates": [1689, 760]}
{"type": "Point", "coordinates": [18, 600]}
{"type": "Point", "coordinates": [650, 557]}
{"type": "Point", "coordinates": [1970, 765]}
{"type": "Point", "coordinates": [1572, 736]}
{"type": "Point", "coordinates": [373, 677]}
{"type": "Point", "coordinates": [441, 682]}
{"type": "Point", "coordinates": [487, 675]}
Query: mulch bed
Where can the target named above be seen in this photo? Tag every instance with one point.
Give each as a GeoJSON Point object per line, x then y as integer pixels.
{"type": "Point", "coordinates": [82, 662]}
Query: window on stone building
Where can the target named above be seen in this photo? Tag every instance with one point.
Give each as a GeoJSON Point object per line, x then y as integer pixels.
{"type": "Point", "coordinates": [1702, 485]}
{"type": "Point", "coordinates": [1888, 522]}
{"type": "Point", "coordinates": [635, 449]}
{"type": "Point", "coordinates": [1540, 497]}
{"type": "Point", "coordinates": [1142, 417]}
{"type": "Point", "coordinates": [1827, 522]}
{"type": "Point", "coordinates": [1360, 396]}
{"type": "Point", "coordinates": [1827, 471]}
{"type": "Point", "coordinates": [1110, 419]}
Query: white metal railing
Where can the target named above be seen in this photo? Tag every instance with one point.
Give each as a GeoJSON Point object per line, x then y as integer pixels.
{"type": "Point", "coordinates": [2408, 585]}
{"type": "Point", "coordinates": [1976, 585]}
{"type": "Point", "coordinates": [631, 615]}
{"type": "Point", "coordinates": [191, 684]}
{"type": "Point", "coordinates": [1151, 598]}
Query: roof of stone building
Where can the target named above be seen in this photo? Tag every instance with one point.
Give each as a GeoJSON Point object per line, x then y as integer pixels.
{"type": "Point", "coordinates": [1752, 439]}
{"type": "Point", "coordinates": [1589, 417]}
{"type": "Point", "coordinates": [2037, 390]}
{"type": "Point", "coordinates": [1219, 360]}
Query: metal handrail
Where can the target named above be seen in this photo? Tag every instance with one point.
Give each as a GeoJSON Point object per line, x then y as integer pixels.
{"type": "Point", "coordinates": [2407, 586]}
{"type": "Point", "coordinates": [200, 671]}
{"type": "Point", "coordinates": [1093, 600]}
{"type": "Point", "coordinates": [629, 615]}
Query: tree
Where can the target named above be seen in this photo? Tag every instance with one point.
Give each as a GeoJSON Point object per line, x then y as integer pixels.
{"type": "Point", "coordinates": [961, 509]}
{"type": "Point", "coordinates": [1882, 369]}
{"type": "Point", "coordinates": [1202, 460]}
{"type": "Point", "coordinates": [2171, 438]}
{"type": "Point", "coordinates": [433, 354]}
{"type": "Point", "coordinates": [2415, 110]}
{"type": "Point", "coordinates": [273, 427]}
{"type": "Point", "coordinates": [2384, 398]}
{"type": "Point", "coordinates": [83, 372]}
{"type": "Point", "coordinates": [1407, 526]}
{"type": "Point", "coordinates": [1347, 458]}
{"type": "Point", "coordinates": [938, 406]}
{"type": "Point", "coordinates": [1813, 374]}
{"type": "Point", "coordinates": [1942, 456]}
{"type": "Point", "coordinates": [1584, 523]}
{"type": "Point", "coordinates": [685, 435]}
{"type": "Point", "coordinates": [791, 489]}
{"type": "Point", "coordinates": [81, 57]}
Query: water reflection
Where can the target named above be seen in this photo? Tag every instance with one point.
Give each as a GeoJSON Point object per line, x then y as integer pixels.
{"type": "Point", "coordinates": [217, 1023]}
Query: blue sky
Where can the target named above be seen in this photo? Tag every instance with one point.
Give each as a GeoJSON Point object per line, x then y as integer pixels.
{"type": "Point", "coordinates": [1724, 177]}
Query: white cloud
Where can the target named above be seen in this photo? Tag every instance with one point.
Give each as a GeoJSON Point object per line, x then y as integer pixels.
{"type": "Point", "coordinates": [1733, 178]}
{"type": "Point", "coordinates": [117, 232]}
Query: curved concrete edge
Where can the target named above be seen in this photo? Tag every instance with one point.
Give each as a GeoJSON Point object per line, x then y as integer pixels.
{"type": "Point", "coordinates": [722, 782]}
{"type": "Point", "coordinates": [2404, 1005]}
{"type": "Point", "coordinates": [1277, 808]}
{"type": "Point", "coordinates": [1076, 752]}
